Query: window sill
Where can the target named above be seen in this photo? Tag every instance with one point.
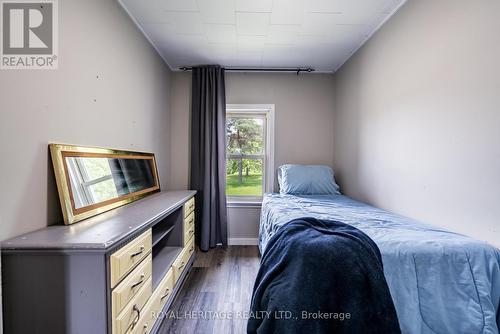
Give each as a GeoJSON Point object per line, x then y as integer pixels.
{"type": "Point", "coordinates": [244, 204]}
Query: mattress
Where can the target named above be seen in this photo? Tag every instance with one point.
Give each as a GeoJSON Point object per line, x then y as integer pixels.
{"type": "Point", "coordinates": [440, 281]}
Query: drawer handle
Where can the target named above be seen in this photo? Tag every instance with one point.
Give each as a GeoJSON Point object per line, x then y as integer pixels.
{"type": "Point", "coordinates": [137, 253]}
{"type": "Point", "coordinates": [138, 283]}
{"type": "Point", "coordinates": [136, 320]}
{"type": "Point", "coordinates": [182, 265]}
{"type": "Point", "coordinates": [167, 293]}
{"type": "Point", "coordinates": [192, 249]}
{"type": "Point", "coordinates": [191, 232]}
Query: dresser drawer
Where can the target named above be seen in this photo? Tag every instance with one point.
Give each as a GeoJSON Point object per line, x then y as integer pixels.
{"type": "Point", "coordinates": [126, 258]}
{"type": "Point", "coordinates": [189, 248]}
{"type": "Point", "coordinates": [181, 262]}
{"type": "Point", "coordinates": [188, 207]}
{"type": "Point", "coordinates": [130, 316]}
{"type": "Point", "coordinates": [155, 304]}
{"type": "Point", "coordinates": [179, 265]}
{"type": "Point", "coordinates": [164, 290]}
{"type": "Point", "coordinates": [188, 234]}
{"type": "Point", "coordinates": [147, 320]}
{"type": "Point", "coordinates": [189, 221]}
{"type": "Point", "coordinates": [131, 285]}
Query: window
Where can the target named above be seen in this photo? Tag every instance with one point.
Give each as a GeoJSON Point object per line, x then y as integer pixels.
{"type": "Point", "coordinates": [249, 152]}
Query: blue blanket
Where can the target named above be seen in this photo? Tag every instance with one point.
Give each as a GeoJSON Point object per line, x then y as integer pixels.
{"type": "Point", "coordinates": [321, 277]}
{"type": "Point", "coordinates": [440, 281]}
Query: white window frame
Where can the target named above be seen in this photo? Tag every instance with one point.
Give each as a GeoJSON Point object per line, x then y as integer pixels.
{"type": "Point", "coordinates": [266, 111]}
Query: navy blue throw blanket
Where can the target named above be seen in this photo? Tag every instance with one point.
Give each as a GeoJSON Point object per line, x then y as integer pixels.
{"type": "Point", "coordinates": [320, 276]}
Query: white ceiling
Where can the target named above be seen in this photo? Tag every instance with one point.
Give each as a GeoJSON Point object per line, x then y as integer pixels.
{"type": "Point", "coordinates": [321, 34]}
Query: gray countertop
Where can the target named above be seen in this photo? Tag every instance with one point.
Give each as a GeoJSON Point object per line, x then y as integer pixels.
{"type": "Point", "coordinates": [105, 230]}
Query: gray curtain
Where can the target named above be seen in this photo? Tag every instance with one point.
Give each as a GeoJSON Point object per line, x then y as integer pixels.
{"type": "Point", "coordinates": [208, 150]}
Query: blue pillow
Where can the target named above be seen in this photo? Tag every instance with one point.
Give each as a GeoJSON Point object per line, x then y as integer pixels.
{"type": "Point", "coordinates": [307, 180]}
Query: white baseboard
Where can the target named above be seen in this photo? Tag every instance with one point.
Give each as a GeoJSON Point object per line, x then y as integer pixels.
{"type": "Point", "coordinates": [243, 241]}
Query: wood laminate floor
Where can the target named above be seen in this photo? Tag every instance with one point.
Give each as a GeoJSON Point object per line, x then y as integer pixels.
{"type": "Point", "coordinates": [219, 285]}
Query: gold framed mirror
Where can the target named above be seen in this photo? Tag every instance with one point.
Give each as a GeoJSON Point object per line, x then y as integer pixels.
{"type": "Point", "coordinates": [92, 180]}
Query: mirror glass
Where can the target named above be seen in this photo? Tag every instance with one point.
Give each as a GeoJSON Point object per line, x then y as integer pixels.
{"type": "Point", "coordinates": [98, 179]}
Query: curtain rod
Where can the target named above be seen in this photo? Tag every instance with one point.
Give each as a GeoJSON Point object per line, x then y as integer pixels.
{"type": "Point", "coordinates": [243, 69]}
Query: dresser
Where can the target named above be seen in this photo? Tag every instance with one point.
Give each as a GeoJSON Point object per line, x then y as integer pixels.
{"type": "Point", "coordinates": [115, 273]}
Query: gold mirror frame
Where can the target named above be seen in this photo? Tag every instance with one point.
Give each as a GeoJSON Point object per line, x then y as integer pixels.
{"type": "Point", "coordinates": [71, 215]}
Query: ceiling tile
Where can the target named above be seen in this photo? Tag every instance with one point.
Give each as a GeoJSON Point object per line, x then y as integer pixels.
{"type": "Point", "coordinates": [267, 33]}
{"type": "Point", "coordinates": [224, 53]}
{"type": "Point", "coordinates": [391, 5]}
{"type": "Point", "coordinates": [252, 23]}
{"type": "Point", "coordinates": [217, 11]}
{"type": "Point", "coordinates": [161, 32]}
{"type": "Point", "coordinates": [287, 12]}
{"type": "Point", "coordinates": [363, 16]}
{"type": "Point", "coordinates": [177, 5]}
{"type": "Point", "coordinates": [353, 6]}
{"type": "Point", "coordinates": [285, 57]}
{"type": "Point", "coordinates": [255, 6]}
{"type": "Point", "coordinates": [346, 34]}
{"type": "Point", "coordinates": [330, 55]}
{"type": "Point", "coordinates": [177, 58]}
{"type": "Point", "coordinates": [251, 42]}
{"type": "Point", "coordinates": [147, 11]}
{"type": "Point", "coordinates": [283, 33]}
{"type": "Point", "coordinates": [220, 33]}
{"type": "Point", "coordinates": [174, 45]}
{"type": "Point", "coordinates": [185, 22]}
{"type": "Point", "coordinates": [319, 23]}
{"type": "Point", "coordinates": [249, 58]}
{"type": "Point", "coordinates": [310, 40]}
{"type": "Point", "coordinates": [323, 6]}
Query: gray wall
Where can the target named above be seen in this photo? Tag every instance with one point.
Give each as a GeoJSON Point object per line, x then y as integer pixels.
{"type": "Point", "coordinates": [180, 106]}
{"type": "Point", "coordinates": [127, 106]}
{"type": "Point", "coordinates": [417, 127]}
{"type": "Point", "coordinates": [303, 127]}
{"type": "Point", "coordinates": [111, 89]}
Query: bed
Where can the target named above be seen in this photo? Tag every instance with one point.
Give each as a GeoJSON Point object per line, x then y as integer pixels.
{"type": "Point", "coordinates": [440, 281]}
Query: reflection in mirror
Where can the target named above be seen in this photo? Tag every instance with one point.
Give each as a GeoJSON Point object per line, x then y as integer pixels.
{"type": "Point", "coordinates": [92, 180]}
{"type": "Point", "coordinates": [95, 180]}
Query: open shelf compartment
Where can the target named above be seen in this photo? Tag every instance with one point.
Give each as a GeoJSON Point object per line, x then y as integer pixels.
{"type": "Point", "coordinates": [162, 261]}
{"type": "Point", "coordinates": [161, 232]}
{"type": "Point", "coordinates": [167, 244]}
